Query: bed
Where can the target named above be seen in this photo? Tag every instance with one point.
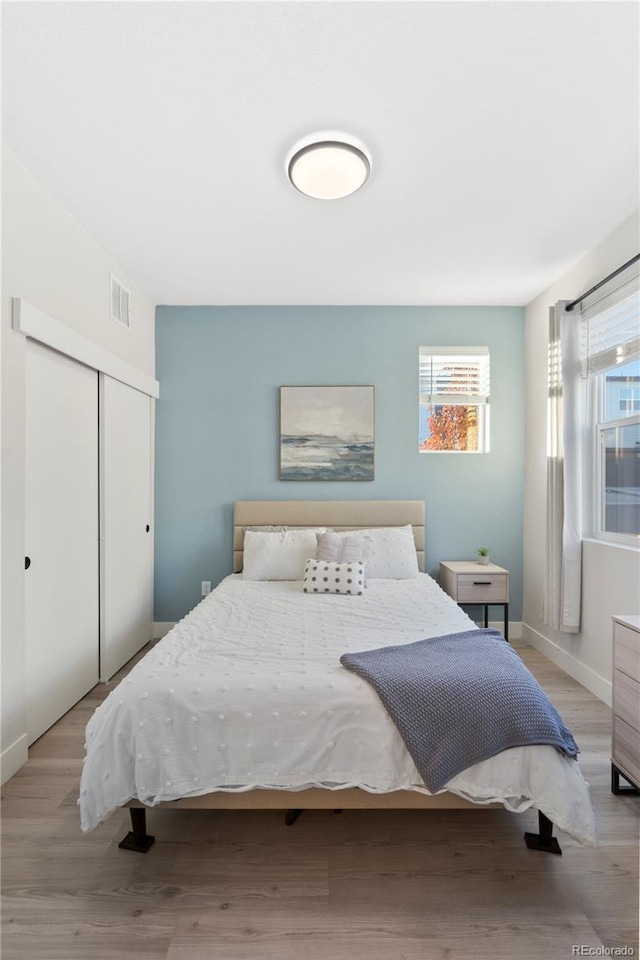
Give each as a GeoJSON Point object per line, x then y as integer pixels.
{"type": "Point", "coordinates": [244, 704]}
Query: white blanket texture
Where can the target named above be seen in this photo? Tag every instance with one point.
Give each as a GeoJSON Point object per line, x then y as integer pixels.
{"type": "Point", "coordinates": [247, 692]}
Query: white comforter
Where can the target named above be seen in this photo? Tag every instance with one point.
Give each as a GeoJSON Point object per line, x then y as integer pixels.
{"type": "Point", "coordinates": [247, 692]}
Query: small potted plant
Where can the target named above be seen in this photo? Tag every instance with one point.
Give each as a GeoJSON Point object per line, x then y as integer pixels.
{"type": "Point", "coordinates": [483, 555]}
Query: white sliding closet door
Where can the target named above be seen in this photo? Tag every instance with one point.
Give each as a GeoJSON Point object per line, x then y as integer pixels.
{"type": "Point", "coordinates": [61, 535]}
{"type": "Point", "coordinates": [125, 512]}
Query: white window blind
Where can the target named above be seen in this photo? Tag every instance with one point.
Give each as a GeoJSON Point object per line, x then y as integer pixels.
{"type": "Point", "coordinates": [454, 376]}
{"type": "Point", "coordinates": [610, 329]}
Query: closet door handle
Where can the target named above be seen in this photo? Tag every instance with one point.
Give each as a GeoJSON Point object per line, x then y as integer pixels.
{"type": "Point", "coordinates": [27, 562]}
{"type": "Point", "coordinates": [147, 528]}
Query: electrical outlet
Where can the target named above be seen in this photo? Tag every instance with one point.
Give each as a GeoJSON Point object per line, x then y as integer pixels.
{"type": "Point", "coordinates": [206, 588]}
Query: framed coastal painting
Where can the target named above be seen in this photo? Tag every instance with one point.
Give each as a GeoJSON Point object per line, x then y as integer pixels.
{"type": "Point", "coordinates": [327, 433]}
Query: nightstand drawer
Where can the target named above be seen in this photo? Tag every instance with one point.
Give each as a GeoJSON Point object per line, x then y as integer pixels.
{"type": "Point", "coordinates": [626, 650]}
{"type": "Point", "coordinates": [477, 588]}
{"type": "Point", "coordinates": [626, 699]}
{"type": "Point", "coordinates": [626, 749]}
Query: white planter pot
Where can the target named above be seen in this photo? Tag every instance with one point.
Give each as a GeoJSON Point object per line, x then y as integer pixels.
{"type": "Point", "coordinates": [484, 560]}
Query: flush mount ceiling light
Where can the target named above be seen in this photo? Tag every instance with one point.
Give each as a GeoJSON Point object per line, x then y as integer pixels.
{"type": "Point", "coordinates": [328, 166]}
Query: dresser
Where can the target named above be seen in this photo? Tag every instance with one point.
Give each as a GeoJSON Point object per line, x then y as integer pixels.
{"type": "Point", "coordinates": [625, 737]}
{"type": "Point", "coordinates": [484, 584]}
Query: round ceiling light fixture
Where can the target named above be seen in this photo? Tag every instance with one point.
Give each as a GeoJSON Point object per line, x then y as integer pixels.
{"type": "Point", "coordinates": [328, 166]}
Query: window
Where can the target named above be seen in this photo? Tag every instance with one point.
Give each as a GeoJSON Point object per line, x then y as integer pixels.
{"type": "Point", "coordinates": [618, 450]}
{"type": "Point", "coordinates": [454, 399]}
{"type": "Point", "coordinates": [611, 362]}
{"type": "Point", "coordinates": [629, 399]}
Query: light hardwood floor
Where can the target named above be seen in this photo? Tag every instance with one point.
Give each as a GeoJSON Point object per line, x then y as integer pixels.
{"type": "Point", "coordinates": [377, 885]}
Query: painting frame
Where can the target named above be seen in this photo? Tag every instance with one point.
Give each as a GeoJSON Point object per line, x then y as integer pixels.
{"type": "Point", "coordinates": [327, 432]}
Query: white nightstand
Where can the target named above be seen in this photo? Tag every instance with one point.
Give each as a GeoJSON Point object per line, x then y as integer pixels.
{"type": "Point", "coordinates": [470, 582]}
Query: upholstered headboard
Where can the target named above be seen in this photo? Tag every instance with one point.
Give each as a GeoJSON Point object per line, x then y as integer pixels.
{"type": "Point", "coordinates": [337, 514]}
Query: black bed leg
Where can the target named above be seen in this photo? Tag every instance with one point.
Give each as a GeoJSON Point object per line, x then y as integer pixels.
{"type": "Point", "coordinates": [544, 840]}
{"type": "Point", "coordinates": [138, 839]}
{"type": "Point", "coordinates": [291, 816]}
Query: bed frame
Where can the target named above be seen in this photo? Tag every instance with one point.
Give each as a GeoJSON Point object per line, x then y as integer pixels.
{"type": "Point", "coordinates": [339, 515]}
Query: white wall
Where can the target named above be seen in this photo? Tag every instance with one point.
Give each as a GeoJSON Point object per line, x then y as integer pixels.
{"type": "Point", "coordinates": [611, 574]}
{"type": "Point", "coordinates": [52, 262]}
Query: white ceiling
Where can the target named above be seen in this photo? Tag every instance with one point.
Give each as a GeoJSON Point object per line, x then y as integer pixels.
{"type": "Point", "coordinates": [504, 138]}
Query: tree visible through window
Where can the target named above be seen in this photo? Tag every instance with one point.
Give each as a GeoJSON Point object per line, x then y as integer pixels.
{"type": "Point", "coordinates": [454, 399]}
{"type": "Point", "coordinates": [450, 428]}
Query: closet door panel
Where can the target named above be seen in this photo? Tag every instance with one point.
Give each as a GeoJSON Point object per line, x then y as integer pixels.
{"type": "Point", "coordinates": [61, 535]}
{"type": "Point", "coordinates": [126, 538]}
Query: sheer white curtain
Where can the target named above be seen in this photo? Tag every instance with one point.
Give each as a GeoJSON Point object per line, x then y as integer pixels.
{"type": "Point", "coordinates": [561, 599]}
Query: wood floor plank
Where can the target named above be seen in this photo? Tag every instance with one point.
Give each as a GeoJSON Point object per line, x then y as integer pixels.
{"type": "Point", "coordinates": [363, 885]}
{"type": "Point", "coordinates": [526, 941]}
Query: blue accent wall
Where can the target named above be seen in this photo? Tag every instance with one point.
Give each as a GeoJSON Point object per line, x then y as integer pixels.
{"type": "Point", "coordinates": [217, 429]}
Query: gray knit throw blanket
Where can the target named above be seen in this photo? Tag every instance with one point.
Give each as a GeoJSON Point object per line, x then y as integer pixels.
{"type": "Point", "coordinates": [460, 699]}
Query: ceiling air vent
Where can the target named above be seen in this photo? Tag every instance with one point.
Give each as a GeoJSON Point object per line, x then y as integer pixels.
{"type": "Point", "coordinates": [120, 303]}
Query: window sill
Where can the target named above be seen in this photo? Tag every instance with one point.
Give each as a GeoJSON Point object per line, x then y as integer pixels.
{"type": "Point", "coordinates": [602, 542]}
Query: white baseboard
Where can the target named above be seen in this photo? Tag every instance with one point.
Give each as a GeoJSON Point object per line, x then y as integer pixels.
{"type": "Point", "coordinates": [13, 758]}
{"type": "Point", "coordinates": [600, 687]}
{"type": "Point", "coordinates": [161, 629]}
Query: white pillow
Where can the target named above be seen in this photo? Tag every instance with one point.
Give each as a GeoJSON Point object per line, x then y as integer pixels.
{"type": "Point", "coordinates": [392, 552]}
{"type": "Point", "coordinates": [278, 556]}
{"type": "Point", "coordinates": [340, 547]}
